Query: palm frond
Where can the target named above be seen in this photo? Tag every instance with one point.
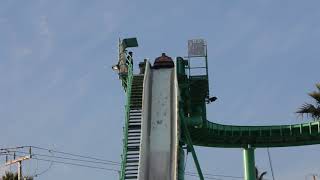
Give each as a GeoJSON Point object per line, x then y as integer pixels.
{"type": "Point", "coordinates": [317, 114]}
{"type": "Point", "coordinates": [318, 86]}
{"type": "Point", "coordinates": [262, 174]}
{"type": "Point", "coordinates": [309, 109]}
{"type": "Point", "coordinates": [306, 109]}
{"type": "Point", "coordinates": [316, 96]}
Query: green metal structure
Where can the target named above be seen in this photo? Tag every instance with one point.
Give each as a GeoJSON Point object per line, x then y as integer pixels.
{"type": "Point", "coordinates": [249, 164]}
{"type": "Point", "coordinates": [196, 130]}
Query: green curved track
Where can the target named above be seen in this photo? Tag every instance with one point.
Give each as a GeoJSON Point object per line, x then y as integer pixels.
{"type": "Point", "coordinates": [228, 136]}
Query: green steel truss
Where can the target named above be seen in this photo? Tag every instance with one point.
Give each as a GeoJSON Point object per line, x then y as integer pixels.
{"type": "Point", "coordinates": [209, 134]}
{"type": "Point", "coordinates": [193, 97]}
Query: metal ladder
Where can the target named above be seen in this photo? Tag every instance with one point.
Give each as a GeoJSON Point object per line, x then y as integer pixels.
{"type": "Point", "coordinates": [134, 129]}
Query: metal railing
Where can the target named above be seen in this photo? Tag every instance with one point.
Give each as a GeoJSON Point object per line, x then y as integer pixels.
{"type": "Point", "coordinates": [126, 83]}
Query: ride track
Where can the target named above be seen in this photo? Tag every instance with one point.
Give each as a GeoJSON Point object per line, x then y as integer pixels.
{"type": "Point", "coordinates": [196, 130]}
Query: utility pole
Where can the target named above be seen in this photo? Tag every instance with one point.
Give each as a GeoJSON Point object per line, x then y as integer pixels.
{"type": "Point", "coordinates": [15, 160]}
{"type": "Point", "coordinates": [19, 162]}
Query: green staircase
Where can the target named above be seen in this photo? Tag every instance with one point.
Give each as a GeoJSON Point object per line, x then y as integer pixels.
{"type": "Point", "coordinates": [133, 129]}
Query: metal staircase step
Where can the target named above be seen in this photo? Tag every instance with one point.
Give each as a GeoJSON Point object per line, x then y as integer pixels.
{"type": "Point", "coordinates": [133, 173]}
{"type": "Point", "coordinates": [135, 148]}
{"type": "Point", "coordinates": [135, 111]}
{"type": "Point", "coordinates": [135, 124]}
{"type": "Point", "coordinates": [135, 114]}
{"type": "Point", "coordinates": [134, 143]}
{"type": "Point", "coordinates": [135, 120]}
{"type": "Point", "coordinates": [130, 177]}
{"type": "Point", "coordinates": [136, 156]}
{"type": "Point", "coordinates": [135, 127]}
{"type": "Point", "coordinates": [134, 134]}
{"type": "Point", "coordinates": [133, 161]}
{"type": "Point", "coordinates": [133, 170]}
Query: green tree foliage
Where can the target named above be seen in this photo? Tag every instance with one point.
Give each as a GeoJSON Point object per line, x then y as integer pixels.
{"type": "Point", "coordinates": [10, 176]}
{"type": "Point", "coordinates": [14, 176]}
{"type": "Point", "coordinates": [312, 110]}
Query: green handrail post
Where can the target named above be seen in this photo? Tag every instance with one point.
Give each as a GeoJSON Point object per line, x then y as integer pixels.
{"type": "Point", "coordinates": [249, 163]}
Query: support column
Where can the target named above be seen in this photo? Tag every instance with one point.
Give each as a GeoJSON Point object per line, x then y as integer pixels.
{"type": "Point", "coordinates": [20, 170]}
{"type": "Point", "coordinates": [249, 163]}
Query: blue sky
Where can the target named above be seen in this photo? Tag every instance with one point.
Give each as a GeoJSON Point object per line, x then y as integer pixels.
{"type": "Point", "coordinates": [58, 90]}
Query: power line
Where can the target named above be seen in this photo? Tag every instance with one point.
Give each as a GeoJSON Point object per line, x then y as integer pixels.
{"type": "Point", "coordinates": [217, 175]}
{"type": "Point", "coordinates": [72, 159]}
{"type": "Point", "coordinates": [75, 164]}
{"type": "Point", "coordinates": [5, 149]}
{"type": "Point", "coordinates": [270, 163]}
{"type": "Point", "coordinates": [194, 175]}
{"type": "Point", "coordinates": [42, 172]}
{"type": "Point", "coordinates": [35, 156]}
{"type": "Point", "coordinates": [37, 167]}
{"type": "Point", "coordinates": [63, 162]}
{"type": "Point", "coordinates": [72, 154]}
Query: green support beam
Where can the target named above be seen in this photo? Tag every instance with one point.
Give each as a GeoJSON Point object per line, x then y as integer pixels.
{"type": "Point", "coordinates": [190, 146]}
{"type": "Point", "coordinates": [249, 163]}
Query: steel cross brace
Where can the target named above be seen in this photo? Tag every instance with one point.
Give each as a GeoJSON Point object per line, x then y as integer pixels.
{"type": "Point", "coordinates": [190, 146]}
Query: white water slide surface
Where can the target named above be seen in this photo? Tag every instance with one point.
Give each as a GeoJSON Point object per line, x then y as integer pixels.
{"type": "Point", "coordinates": [159, 138]}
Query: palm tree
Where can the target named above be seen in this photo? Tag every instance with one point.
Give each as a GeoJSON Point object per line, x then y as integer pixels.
{"type": "Point", "coordinates": [310, 109]}
{"type": "Point", "coordinates": [260, 176]}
